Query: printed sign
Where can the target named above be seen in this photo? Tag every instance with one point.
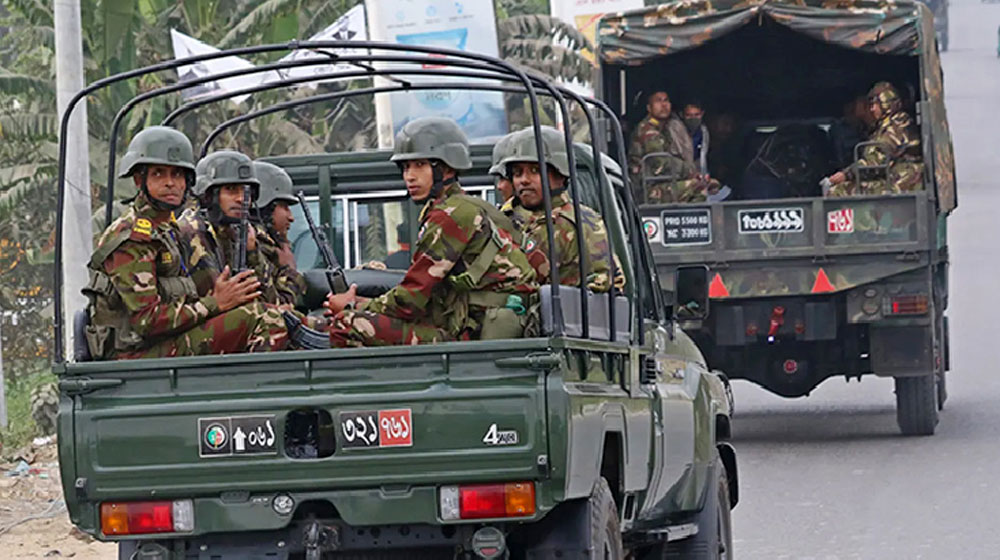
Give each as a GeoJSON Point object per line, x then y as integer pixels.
{"type": "Point", "coordinates": [840, 221]}
{"type": "Point", "coordinates": [376, 428]}
{"type": "Point", "coordinates": [237, 435]}
{"type": "Point", "coordinates": [496, 436]}
{"type": "Point", "coordinates": [771, 220]}
{"type": "Point", "coordinates": [686, 227]}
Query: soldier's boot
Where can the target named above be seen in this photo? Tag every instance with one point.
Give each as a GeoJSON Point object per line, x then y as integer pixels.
{"type": "Point", "coordinates": [45, 407]}
{"type": "Point", "coordinates": [363, 328]}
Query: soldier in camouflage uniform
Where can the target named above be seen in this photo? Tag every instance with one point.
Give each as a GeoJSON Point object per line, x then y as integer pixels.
{"type": "Point", "coordinates": [529, 215]}
{"type": "Point", "coordinates": [143, 301]}
{"type": "Point", "coordinates": [276, 217]}
{"type": "Point", "coordinates": [671, 175]}
{"type": "Point", "coordinates": [467, 280]}
{"type": "Point", "coordinates": [501, 177]}
{"type": "Point", "coordinates": [894, 164]}
{"type": "Point", "coordinates": [211, 229]}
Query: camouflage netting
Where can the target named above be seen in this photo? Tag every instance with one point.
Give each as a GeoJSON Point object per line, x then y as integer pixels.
{"type": "Point", "coordinates": [901, 27]}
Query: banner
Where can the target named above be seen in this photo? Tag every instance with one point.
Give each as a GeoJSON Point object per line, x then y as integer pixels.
{"type": "Point", "coordinates": [466, 26]}
{"type": "Point", "coordinates": [349, 27]}
{"type": "Point", "coordinates": [584, 14]}
{"type": "Point", "coordinates": [185, 46]}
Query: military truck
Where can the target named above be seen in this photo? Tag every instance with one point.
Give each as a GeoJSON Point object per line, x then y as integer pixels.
{"type": "Point", "coordinates": [803, 288]}
{"type": "Point", "coordinates": [606, 435]}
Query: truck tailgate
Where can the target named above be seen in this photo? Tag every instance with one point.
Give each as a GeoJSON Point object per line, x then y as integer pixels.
{"type": "Point", "coordinates": [188, 426]}
{"type": "Point", "coordinates": [793, 246]}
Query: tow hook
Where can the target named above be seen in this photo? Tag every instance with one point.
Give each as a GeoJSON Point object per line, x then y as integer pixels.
{"type": "Point", "coordinates": [489, 543]}
{"type": "Point", "coordinates": [318, 538]}
{"type": "Point", "coordinates": [777, 320]}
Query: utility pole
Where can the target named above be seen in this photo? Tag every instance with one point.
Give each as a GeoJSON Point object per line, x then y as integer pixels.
{"type": "Point", "coordinates": [77, 230]}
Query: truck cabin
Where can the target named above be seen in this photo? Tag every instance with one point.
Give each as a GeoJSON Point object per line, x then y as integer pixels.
{"type": "Point", "coordinates": [783, 92]}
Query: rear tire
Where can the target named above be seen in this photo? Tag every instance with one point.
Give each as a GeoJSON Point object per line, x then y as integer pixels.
{"type": "Point", "coordinates": [45, 408]}
{"type": "Point", "coordinates": [714, 540]}
{"type": "Point", "coordinates": [605, 531]}
{"type": "Point", "coordinates": [917, 405]}
{"type": "Point", "coordinates": [563, 532]}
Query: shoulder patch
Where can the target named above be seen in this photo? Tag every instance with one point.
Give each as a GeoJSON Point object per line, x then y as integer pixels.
{"type": "Point", "coordinates": [143, 227]}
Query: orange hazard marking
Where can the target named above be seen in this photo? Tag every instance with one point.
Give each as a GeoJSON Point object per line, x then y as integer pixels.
{"type": "Point", "coordinates": [717, 289]}
{"type": "Point", "coordinates": [822, 283]}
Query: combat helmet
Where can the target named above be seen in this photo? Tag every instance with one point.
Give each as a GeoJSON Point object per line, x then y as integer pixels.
{"type": "Point", "coordinates": [433, 138]}
{"type": "Point", "coordinates": [500, 151]}
{"type": "Point", "coordinates": [523, 149]}
{"type": "Point", "coordinates": [886, 95]}
{"type": "Point", "coordinates": [275, 184]}
{"type": "Point", "coordinates": [225, 167]}
{"type": "Point", "coordinates": [158, 145]}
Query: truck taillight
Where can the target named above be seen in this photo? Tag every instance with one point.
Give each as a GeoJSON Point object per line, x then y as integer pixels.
{"type": "Point", "coordinates": [487, 501]}
{"type": "Point", "coordinates": [907, 305]}
{"type": "Point", "coordinates": [140, 518]}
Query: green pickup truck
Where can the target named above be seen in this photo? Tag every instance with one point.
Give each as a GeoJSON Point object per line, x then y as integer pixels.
{"type": "Point", "coordinates": [602, 438]}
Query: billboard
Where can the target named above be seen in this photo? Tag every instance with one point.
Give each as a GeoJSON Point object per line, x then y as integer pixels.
{"type": "Point", "coordinates": [467, 25]}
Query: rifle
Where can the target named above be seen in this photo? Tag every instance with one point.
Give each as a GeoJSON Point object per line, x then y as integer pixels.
{"type": "Point", "coordinates": [241, 239]}
{"type": "Point", "coordinates": [334, 272]}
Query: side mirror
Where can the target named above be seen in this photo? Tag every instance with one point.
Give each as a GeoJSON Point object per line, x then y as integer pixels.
{"type": "Point", "coordinates": [691, 292]}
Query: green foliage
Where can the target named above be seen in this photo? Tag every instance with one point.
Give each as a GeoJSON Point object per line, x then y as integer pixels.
{"type": "Point", "coordinates": [20, 426]}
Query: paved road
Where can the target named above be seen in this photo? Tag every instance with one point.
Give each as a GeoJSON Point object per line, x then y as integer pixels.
{"type": "Point", "coordinates": [829, 477]}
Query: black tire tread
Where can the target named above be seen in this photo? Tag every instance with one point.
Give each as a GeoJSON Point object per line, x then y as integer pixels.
{"type": "Point", "coordinates": [916, 405]}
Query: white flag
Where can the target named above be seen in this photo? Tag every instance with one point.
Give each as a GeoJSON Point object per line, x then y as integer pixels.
{"type": "Point", "coordinates": [348, 27]}
{"type": "Point", "coordinates": [185, 46]}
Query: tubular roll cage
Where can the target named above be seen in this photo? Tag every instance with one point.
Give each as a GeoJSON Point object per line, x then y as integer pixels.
{"type": "Point", "coordinates": [497, 74]}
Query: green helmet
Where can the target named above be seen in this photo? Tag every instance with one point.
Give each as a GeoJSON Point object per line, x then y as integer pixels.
{"type": "Point", "coordinates": [275, 184]}
{"type": "Point", "coordinates": [158, 145]}
{"type": "Point", "coordinates": [225, 167]}
{"type": "Point", "coordinates": [433, 138]}
{"type": "Point", "coordinates": [501, 150]}
{"type": "Point", "coordinates": [522, 149]}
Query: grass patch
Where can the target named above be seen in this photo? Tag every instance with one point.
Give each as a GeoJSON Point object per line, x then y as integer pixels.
{"type": "Point", "coordinates": [20, 426]}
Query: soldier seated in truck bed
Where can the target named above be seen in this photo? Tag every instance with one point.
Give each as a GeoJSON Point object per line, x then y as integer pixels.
{"type": "Point", "coordinates": [891, 160]}
{"type": "Point", "coordinates": [468, 279]}
{"type": "Point", "coordinates": [528, 215]}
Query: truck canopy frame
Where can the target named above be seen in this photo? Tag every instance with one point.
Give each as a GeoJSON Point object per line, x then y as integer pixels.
{"type": "Point", "coordinates": [483, 73]}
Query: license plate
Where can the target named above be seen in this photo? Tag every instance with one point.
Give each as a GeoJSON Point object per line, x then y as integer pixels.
{"type": "Point", "coordinates": [370, 429]}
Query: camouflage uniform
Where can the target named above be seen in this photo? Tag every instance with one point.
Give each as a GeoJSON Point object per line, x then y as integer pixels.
{"type": "Point", "coordinates": [276, 185]}
{"type": "Point", "coordinates": [146, 296]}
{"type": "Point", "coordinates": [466, 270]}
{"type": "Point", "coordinates": [532, 223]}
{"type": "Point", "coordinates": [681, 182]}
{"type": "Point", "coordinates": [898, 152]}
{"type": "Point", "coordinates": [212, 247]}
{"type": "Point", "coordinates": [212, 237]}
{"type": "Point", "coordinates": [596, 262]}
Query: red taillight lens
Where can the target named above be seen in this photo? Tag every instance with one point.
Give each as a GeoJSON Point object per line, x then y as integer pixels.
{"type": "Point", "coordinates": [481, 501]}
{"type": "Point", "coordinates": [136, 518]}
{"type": "Point", "coordinates": [907, 305]}
{"type": "Point", "coordinates": [484, 501]}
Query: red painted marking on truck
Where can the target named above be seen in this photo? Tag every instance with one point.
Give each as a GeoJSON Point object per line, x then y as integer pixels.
{"type": "Point", "coordinates": [840, 221]}
{"type": "Point", "coordinates": [396, 428]}
{"type": "Point", "coordinates": [822, 283]}
{"type": "Point", "coordinates": [717, 289]}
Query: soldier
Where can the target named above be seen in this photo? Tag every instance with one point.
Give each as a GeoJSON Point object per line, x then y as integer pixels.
{"type": "Point", "coordinates": [276, 217]}
{"type": "Point", "coordinates": [893, 165]}
{"type": "Point", "coordinates": [211, 230]}
{"type": "Point", "coordinates": [143, 301]}
{"type": "Point", "coordinates": [529, 214]}
{"type": "Point", "coordinates": [677, 177]}
{"type": "Point", "coordinates": [467, 280]}
{"type": "Point", "coordinates": [501, 179]}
